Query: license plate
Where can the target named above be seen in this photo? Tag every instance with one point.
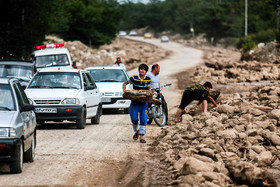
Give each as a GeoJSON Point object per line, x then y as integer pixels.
{"type": "Point", "coordinates": [45, 110]}
{"type": "Point", "coordinates": [105, 100]}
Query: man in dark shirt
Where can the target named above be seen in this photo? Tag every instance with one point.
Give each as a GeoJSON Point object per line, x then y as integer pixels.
{"type": "Point", "coordinates": [195, 92]}
{"type": "Point", "coordinates": [139, 82]}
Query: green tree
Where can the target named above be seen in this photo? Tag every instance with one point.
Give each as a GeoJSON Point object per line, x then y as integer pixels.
{"type": "Point", "coordinates": [23, 25]}
{"type": "Point", "coordinates": [94, 22]}
{"type": "Point", "coordinates": [212, 21]}
{"type": "Point", "coordinates": [133, 16]}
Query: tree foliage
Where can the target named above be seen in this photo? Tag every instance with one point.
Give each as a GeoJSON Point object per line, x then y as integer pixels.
{"type": "Point", "coordinates": [216, 19]}
{"type": "Point", "coordinates": [22, 26]}
{"type": "Point", "coordinates": [24, 23]}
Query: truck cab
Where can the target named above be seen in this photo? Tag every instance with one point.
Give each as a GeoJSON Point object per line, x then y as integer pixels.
{"type": "Point", "coordinates": [52, 56]}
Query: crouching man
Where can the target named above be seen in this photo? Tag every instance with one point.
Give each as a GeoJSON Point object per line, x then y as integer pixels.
{"type": "Point", "coordinates": [195, 92]}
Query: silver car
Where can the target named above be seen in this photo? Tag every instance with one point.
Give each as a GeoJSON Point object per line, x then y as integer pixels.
{"type": "Point", "coordinates": [17, 126]}
{"type": "Point", "coordinates": [22, 70]}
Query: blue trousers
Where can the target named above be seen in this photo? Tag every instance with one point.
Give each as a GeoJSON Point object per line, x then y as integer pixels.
{"type": "Point", "coordinates": [139, 109]}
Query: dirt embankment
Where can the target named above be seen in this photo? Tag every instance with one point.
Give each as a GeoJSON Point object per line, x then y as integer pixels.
{"type": "Point", "coordinates": [131, 52]}
{"type": "Point", "coordinates": [239, 141]}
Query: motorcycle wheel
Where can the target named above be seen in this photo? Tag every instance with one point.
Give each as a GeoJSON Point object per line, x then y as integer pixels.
{"type": "Point", "coordinates": [159, 117]}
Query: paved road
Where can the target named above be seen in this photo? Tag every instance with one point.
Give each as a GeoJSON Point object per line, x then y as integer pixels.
{"type": "Point", "coordinates": [66, 156]}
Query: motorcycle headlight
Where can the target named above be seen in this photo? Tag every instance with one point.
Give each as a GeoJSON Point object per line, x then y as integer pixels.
{"type": "Point", "coordinates": [71, 101]}
{"type": "Point", "coordinates": [7, 132]}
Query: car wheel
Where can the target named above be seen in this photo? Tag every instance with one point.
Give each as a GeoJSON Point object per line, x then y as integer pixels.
{"type": "Point", "coordinates": [29, 155]}
{"type": "Point", "coordinates": [81, 122]}
{"type": "Point", "coordinates": [17, 159]}
{"type": "Point", "coordinates": [96, 118]}
{"type": "Point", "coordinates": [126, 110]}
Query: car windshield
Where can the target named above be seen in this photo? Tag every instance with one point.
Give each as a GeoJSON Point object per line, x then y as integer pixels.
{"type": "Point", "coordinates": [23, 72]}
{"type": "Point", "coordinates": [51, 60]}
{"type": "Point", "coordinates": [107, 75]}
{"type": "Point", "coordinates": [6, 98]}
{"type": "Point", "coordinates": [56, 80]}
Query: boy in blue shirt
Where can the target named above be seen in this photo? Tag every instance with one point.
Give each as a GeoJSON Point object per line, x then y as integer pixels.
{"type": "Point", "coordinates": [139, 82]}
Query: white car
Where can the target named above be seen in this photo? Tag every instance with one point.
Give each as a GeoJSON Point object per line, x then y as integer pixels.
{"type": "Point", "coordinates": [122, 33]}
{"type": "Point", "coordinates": [164, 39]}
{"type": "Point", "coordinates": [110, 80]}
{"type": "Point", "coordinates": [65, 95]}
{"type": "Point", "coordinates": [132, 33]}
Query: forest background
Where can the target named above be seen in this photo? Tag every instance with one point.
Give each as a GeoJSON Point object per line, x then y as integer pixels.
{"type": "Point", "coordinates": [25, 23]}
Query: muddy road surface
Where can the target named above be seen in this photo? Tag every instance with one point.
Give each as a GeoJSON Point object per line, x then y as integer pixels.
{"type": "Point", "coordinates": [104, 154]}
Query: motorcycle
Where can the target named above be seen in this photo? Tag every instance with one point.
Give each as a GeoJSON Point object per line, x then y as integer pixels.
{"type": "Point", "coordinates": [158, 112]}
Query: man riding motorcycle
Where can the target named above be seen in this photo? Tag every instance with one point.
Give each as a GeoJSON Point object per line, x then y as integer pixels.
{"type": "Point", "coordinates": [155, 85]}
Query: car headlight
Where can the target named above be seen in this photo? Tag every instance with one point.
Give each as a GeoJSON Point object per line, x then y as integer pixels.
{"type": "Point", "coordinates": [71, 101]}
{"type": "Point", "coordinates": [4, 132]}
{"type": "Point", "coordinates": [118, 93]}
{"type": "Point", "coordinates": [12, 132]}
{"type": "Point", "coordinates": [7, 132]}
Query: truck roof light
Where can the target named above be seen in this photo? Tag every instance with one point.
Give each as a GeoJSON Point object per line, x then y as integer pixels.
{"type": "Point", "coordinates": [49, 46]}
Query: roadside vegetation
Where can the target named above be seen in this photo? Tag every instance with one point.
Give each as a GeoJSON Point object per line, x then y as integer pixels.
{"type": "Point", "coordinates": [25, 23]}
{"type": "Point", "coordinates": [95, 22]}
{"type": "Point", "coordinates": [219, 20]}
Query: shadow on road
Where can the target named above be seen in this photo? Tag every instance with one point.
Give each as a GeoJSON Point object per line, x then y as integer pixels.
{"type": "Point", "coordinates": [112, 112]}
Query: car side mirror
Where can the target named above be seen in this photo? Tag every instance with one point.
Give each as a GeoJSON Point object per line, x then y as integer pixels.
{"type": "Point", "coordinates": [26, 107]}
{"type": "Point", "coordinates": [89, 88]}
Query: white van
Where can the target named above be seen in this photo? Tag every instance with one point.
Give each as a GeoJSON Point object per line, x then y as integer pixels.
{"type": "Point", "coordinates": [52, 55]}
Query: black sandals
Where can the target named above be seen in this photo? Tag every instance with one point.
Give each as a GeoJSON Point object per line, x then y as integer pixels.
{"type": "Point", "coordinates": [142, 141]}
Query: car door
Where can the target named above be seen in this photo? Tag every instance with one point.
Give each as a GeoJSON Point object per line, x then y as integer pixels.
{"type": "Point", "coordinates": [28, 117]}
{"type": "Point", "coordinates": [93, 95]}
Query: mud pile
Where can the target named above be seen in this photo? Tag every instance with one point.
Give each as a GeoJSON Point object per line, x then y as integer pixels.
{"type": "Point", "coordinates": [131, 52]}
{"type": "Point", "coordinates": [223, 66]}
{"type": "Point", "coordinates": [268, 53]}
{"type": "Point", "coordinates": [231, 143]}
{"type": "Point", "coordinates": [236, 143]}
